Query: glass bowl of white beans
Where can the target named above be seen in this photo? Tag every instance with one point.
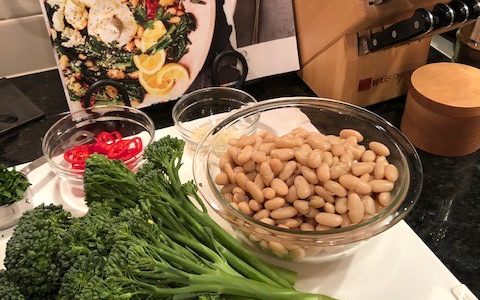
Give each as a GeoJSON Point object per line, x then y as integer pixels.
{"type": "Point", "coordinates": [314, 182]}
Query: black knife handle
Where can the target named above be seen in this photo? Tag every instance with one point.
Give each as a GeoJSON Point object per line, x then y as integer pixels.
{"type": "Point", "coordinates": [420, 23]}
{"type": "Point", "coordinates": [474, 6]}
{"type": "Point", "coordinates": [443, 15]}
{"type": "Point", "coordinates": [462, 11]}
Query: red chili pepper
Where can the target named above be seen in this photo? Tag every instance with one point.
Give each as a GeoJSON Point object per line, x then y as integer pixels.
{"type": "Point", "coordinates": [105, 137]}
{"type": "Point", "coordinates": [116, 135]}
{"type": "Point", "coordinates": [152, 7]}
{"type": "Point", "coordinates": [118, 150]}
{"type": "Point", "coordinates": [110, 144]}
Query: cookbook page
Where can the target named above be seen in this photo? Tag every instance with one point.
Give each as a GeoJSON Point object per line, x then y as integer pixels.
{"type": "Point", "coordinates": [155, 49]}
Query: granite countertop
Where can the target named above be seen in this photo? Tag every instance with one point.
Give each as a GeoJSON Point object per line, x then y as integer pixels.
{"type": "Point", "coordinates": [445, 217]}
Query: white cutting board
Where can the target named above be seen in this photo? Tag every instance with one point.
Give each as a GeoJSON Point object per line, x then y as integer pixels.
{"type": "Point", "coordinates": [393, 265]}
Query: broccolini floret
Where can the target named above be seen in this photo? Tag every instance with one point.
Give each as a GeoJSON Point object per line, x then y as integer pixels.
{"type": "Point", "coordinates": [8, 290]}
{"type": "Point", "coordinates": [32, 253]}
{"type": "Point", "coordinates": [111, 181]}
{"type": "Point", "coordinates": [92, 234]}
{"type": "Point", "coordinates": [82, 277]}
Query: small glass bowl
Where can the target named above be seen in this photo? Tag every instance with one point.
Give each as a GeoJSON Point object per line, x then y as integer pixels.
{"type": "Point", "coordinates": [329, 117]}
{"type": "Point", "coordinates": [11, 213]}
{"type": "Point", "coordinates": [197, 112]}
{"type": "Point", "coordinates": [81, 127]}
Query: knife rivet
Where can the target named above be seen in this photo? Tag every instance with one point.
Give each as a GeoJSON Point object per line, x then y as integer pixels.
{"type": "Point", "coordinates": [416, 24]}
{"type": "Point", "coordinates": [394, 34]}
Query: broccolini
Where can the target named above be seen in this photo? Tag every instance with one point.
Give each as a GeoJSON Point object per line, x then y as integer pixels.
{"type": "Point", "coordinates": [31, 257]}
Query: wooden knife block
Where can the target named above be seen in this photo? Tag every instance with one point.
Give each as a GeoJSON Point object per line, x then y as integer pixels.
{"type": "Point", "coordinates": [327, 33]}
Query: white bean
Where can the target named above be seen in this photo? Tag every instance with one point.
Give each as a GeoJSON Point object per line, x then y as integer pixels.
{"type": "Point", "coordinates": [309, 174]}
{"type": "Point", "coordinates": [329, 208]}
{"type": "Point", "coordinates": [224, 159]}
{"type": "Point", "coordinates": [286, 143]}
{"type": "Point", "coordinates": [292, 194]}
{"type": "Point", "coordinates": [259, 182]}
{"type": "Point", "coordinates": [379, 170]}
{"type": "Point", "coordinates": [329, 220]}
{"type": "Point", "coordinates": [266, 147]}
{"type": "Point", "coordinates": [361, 168]}
{"type": "Point", "coordinates": [249, 166]}
{"type": "Point", "coordinates": [307, 227]}
{"type": "Point", "coordinates": [379, 148]}
{"type": "Point", "coordinates": [277, 248]}
{"type": "Point", "coordinates": [274, 203]}
{"type": "Point", "coordinates": [283, 154]}
{"type": "Point", "coordinates": [339, 169]}
{"type": "Point", "coordinates": [259, 156]}
{"type": "Point", "coordinates": [287, 170]}
{"type": "Point", "coordinates": [379, 186]}
{"type": "Point", "coordinates": [335, 188]}
{"type": "Point", "coordinates": [327, 157]}
{"type": "Point", "coordinates": [317, 142]}
{"type": "Point", "coordinates": [323, 172]}
{"type": "Point", "coordinates": [356, 208]}
{"type": "Point", "coordinates": [284, 213]}
{"type": "Point", "coordinates": [245, 208]}
{"type": "Point", "coordinates": [255, 191]}
{"type": "Point", "coordinates": [391, 173]}
{"type": "Point", "coordinates": [230, 173]}
{"type": "Point", "coordinates": [245, 154]}
{"type": "Point", "coordinates": [345, 133]}
{"type": "Point", "coordinates": [246, 140]}
{"type": "Point", "coordinates": [279, 186]}
{"type": "Point", "coordinates": [268, 221]}
{"type": "Point", "coordinates": [322, 192]}
{"type": "Point", "coordinates": [267, 173]}
{"type": "Point", "coordinates": [369, 205]}
{"type": "Point", "coordinates": [269, 193]}
{"type": "Point", "coordinates": [276, 165]}
{"type": "Point", "coordinates": [289, 222]}
{"type": "Point", "coordinates": [368, 156]}
{"type": "Point", "coordinates": [264, 213]}
{"type": "Point", "coordinates": [316, 202]}
{"type": "Point", "coordinates": [314, 159]}
{"type": "Point", "coordinates": [303, 189]}
{"type": "Point", "coordinates": [384, 198]}
{"type": "Point", "coordinates": [254, 205]}
{"type": "Point", "coordinates": [302, 206]}
{"type": "Point", "coordinates": [222, 179]}
{"type": "Point", "coordinates": [341, 205]}
{"type": "Point", "coordinates": [338, 149]}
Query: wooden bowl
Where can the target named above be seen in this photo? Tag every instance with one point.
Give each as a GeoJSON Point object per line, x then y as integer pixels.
{"type": "Point", "coordinates": [442, 113]}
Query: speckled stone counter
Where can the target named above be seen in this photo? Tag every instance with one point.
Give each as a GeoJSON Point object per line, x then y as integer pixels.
{"type": "Point", "coordinates": [446, 216]}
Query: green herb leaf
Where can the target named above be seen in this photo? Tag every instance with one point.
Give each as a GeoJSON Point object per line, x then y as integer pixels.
{"type": "Point", "coordinates": [13, 185]}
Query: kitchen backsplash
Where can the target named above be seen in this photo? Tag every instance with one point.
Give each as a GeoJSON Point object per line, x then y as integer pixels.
{"type": "Point", "coordinates": [24, 42]}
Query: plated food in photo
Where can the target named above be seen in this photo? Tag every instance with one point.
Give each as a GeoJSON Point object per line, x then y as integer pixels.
{"type": "Point", "coordinates": [142, 44]}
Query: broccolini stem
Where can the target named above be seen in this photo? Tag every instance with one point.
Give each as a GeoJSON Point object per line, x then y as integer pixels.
{"type": "Point", "coordinates": [282, 277]}
{"type": "Point", "coordinates": [226, 284]}
{"type": "Point", "coordinates": [214, 257]}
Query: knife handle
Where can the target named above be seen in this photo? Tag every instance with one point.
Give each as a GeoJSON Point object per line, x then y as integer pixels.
{"type": "Point", "coordinates": [420, 23]}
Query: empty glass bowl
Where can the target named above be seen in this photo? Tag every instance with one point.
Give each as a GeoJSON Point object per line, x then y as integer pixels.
{"type": "Point", "coordinates": [81, 127]}
{"type": "Point", "coordinates": [196, 113]}
{"type": "Point", "coordinates": [328, 117]}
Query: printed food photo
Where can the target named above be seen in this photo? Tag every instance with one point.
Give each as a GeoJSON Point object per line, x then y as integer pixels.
{"type": "Point", "coordinates": [154, 49]}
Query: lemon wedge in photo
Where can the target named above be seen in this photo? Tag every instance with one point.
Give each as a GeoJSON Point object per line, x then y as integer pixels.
{"type": "Point", "coordinates": [172, 72]}
{"type": "Point", "coordinates": [152, 35]}
{"type": "Point", "coordinates": [153, 86]}
{"type": "Point", "coordinates": [150, 64]}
